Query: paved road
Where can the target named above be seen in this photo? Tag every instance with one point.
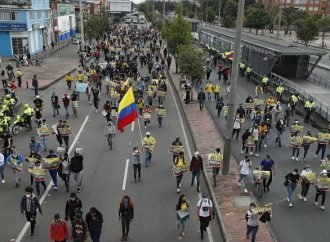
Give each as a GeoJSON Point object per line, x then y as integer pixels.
{"type": "Point", "coordinates": [154, 198]}
{"type": "Point", "coordinates": [287, 223]}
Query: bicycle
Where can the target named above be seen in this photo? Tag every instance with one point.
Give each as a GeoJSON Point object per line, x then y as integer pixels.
{"type": "Point", "coordinates": [258, 182]}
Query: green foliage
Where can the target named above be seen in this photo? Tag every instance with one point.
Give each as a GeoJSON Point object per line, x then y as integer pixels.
{"type": "Point", "coordinates": [292, 15]}
{"type": "Point", "coordinates": [190, 62]}
{"type": "Point", "coordinates": [116, 19]}
{"type": "Point", "coordinates": [324, 24]}
{"type": "Point", "coordinates": [230, 8]}
{"type": "Point", "coordinates": [307, 29]}
{"type": "Point", "coordinates": [210, 15]}
{"type": "Point", "coordinates": [95, 25]}
{"type": "Point", "coordinates": [257, 18]}
{"type": "Point", "coordinates": [177, 31]}
{"type": "Point", "coordinates": [229, 22]}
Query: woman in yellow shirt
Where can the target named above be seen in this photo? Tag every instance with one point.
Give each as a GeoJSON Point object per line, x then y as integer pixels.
{"type": "Point", "coordinates": [182, 214]}
{"type": "Point", "coordinates": [179, 166]}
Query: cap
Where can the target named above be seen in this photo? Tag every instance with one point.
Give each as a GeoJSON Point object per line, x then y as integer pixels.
{"type": "Point", "coordinates": [205, 195]}
{"type": "Point", "coordinates": [148, 133]}
{"type": "Point", "coordinates": [196, 153]}
{"type": "Point", "coordinates": [57, 216]}
{"type": "Point", "coordinates": [73, 195]}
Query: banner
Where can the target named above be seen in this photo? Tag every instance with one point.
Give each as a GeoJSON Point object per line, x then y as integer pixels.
{"type": "Point", "coordinates": [296, 128]}
{"type": "Point", "coordinates": [326, 165]}
{"type": "Point", "coordinates": [263, 209]}
{"type": "Point", "coordinates": [176, 149]}
{"type": "Point", "coordinates": [43, 131]}
{"type": "Point", "coordinates": [296, 141]}
{"type": "Point", "coordinates": [215, 160]}
{"type": "Point", "coordinates": [81, 87]}
{"type": "Point", "coordinates": [323, 138]}
{"type": "Point", "coordinates": [148, 148]}
{"type": "Point", "coordinates": [161, 112]}
{"type": "Point", "coordinates": [146, 115]}
{"type": "Point", "coordinates": [65, 131]}
{"type": "Point", "coordinates": [38, 173]}
{"type": "Point", "coordinates": [179, 170]}
{"type": "Point", "coordinates": [31, 161]}
{"type": "Point", "coordinates": [261, 174]}
{"type": "Point", "coordinates": [14, 165]}
{"type": "Point", "coordinates": [310, 177]}
{"type": "Point", "coordinates": [115, 95]}
{"type": "Point", "coordinates": [309, 139]}
{"type": "Point", "coordinates": [51, 163]}
{"type": "Point", "coordinates": [249, 142]}
{"type": "Point", "coordinates": [259, 102]}
{"type": "Point", "coordinates": [161, 93]}
{"type": "Point", "coordinates": [323, 183]}
{"type": "Point", "coordinates": [60, 150]}
{"type": "Point", "coordinates": [249, 105]}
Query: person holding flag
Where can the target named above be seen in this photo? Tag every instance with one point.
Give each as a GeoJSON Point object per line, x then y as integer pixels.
{"type": "Point", "coordinates": [127, 111]}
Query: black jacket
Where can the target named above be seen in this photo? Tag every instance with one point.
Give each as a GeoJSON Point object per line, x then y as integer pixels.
{"type": "Point", "coordinates": [126, 212]}
{"type": "Point", "coordinates": [34, 204]}
{"type": "Point", "coordinates": [77, 163]}
{"type": "Point", "coordinates": [201, 96]}
{"type": "Point", "coordinates": [94, 224]}
{"type": "Point", "coordinates": [71, 207]}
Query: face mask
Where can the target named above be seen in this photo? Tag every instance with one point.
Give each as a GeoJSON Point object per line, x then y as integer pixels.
{"type": "Point", "coordinates": [148, 136]}
{"type": "Point", "coordinates": [294, 173]}
{"type": "Point", "coordinates": [28, 195]}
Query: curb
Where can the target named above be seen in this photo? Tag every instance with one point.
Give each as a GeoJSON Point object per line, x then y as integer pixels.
{"type": "Point", "coordinates": [208, 183]}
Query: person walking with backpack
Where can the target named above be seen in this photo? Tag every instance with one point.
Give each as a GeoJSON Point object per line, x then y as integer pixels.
{"type": "Point", "coordinates": [72, 206]}
{"type": "Point", "coordinates": [29, 206]}
{"type": "Point", "coordinates": [126, 215]}
{"type": "Point", "coordinates": [76, 167]}
{"type": "Point", "coordinates": [58, 230]}
{"type": "Point", "coordinates": [94, 220]}
{"type": "Point", "coordinates": [252, 222]}
{"type": "Point", "coordinates": [204, 212]}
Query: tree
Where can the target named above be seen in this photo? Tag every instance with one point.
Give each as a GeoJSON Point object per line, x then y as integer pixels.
{"type": "Point", "coordinates": [324, 24]}
{"type": "Point", "coordinates": [257, 18]}
{"type": "Point", "coordinates": [190, 60]}
{"type": "Point", "coordinates": [95, 25]}
{"type": "Point", "coordinates": [177, 32]}
{"type": "Point", "coordinates": [307, 30]}
{"type": "Point", "coordinates": [228, 22]}
{"type": "Point", "coordinates": [230, 8]}
{"type": "Point", "coordinates": [210, 15]}
{"type": "Point", "coordinates": [291, 15]}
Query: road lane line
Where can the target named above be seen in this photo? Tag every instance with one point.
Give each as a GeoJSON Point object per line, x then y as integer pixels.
{"type": "Point", "coordinates": [27, 224]}
{"type": "Point", "coordinates": [188, 148]}
{"type": "Point", "coordinates": [140, 130]}
{"type": "Point", "coordinates": [125, 175]}
{"type": "Point", "coordinates": [132, 127]}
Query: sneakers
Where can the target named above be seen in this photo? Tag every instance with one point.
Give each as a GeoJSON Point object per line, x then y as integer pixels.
{"type": "Point", "coordinates": [242, 152]}
{"type": "Point", "coordinates": [292, 158]}
{"type": "Point", "coordinates": [297, 159]}
{"type": "Point", "coordinates": [3, 181]}
{"type": "Point", "coordinates": [256, 154]}
{"type": "Point", "coordinates": [179, 184]}
{"type": "Point", "coordinates": [287, 199]}
{"type": "Point", "coordinates": [238, 183]}
{"type": "Point", "coordinates": [251, 153]}
{"type": "Point", "coordinates": [322, 208]}
{"type": "Point", "coordinates": [305, 199]}
{"type": "Point", "coordinates": [290, 205]}
{"type": "Point", "coordinates": [265, 145]}
{"type": "Point", "coordinates": [78, 189]}
{"type": "Point", "coordinates": [300, 197]}
{"type": "Point", "coordinates": [183, 234]}
{"type": "Point", "coordinates": [178, 190]}
{"type": "Point", "coordinates": [316, 203]}
{"type": "Point", "coordinates": [245, 190]}
{"type": "Point", "coordinates": [315, 155]}
{"type": "Point", "coordinates": [55, 188]}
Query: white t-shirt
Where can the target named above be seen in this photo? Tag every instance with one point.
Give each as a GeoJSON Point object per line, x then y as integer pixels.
{"type": "Point", "coordinates": [255, 133]}
{"type": "Point", "coordinates": [2, 159]}
{"type": "Point", "coordinates": [204, 203]}
{"type": "Point", "coordinates": [245, 167]}
{"type": "Point", "coordinates": [237, 123]}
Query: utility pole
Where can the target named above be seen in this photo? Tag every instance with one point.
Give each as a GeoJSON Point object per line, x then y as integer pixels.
{"type": "Point", "coordinates": [164, 6]}
{"type": "Point", "coordinates": [219, 12]}
{"type": "Point", "coordinates": [153, 11]}
{"type": "Point", "coordinates": [232, 94]}
{"type": "Point", "coordinates": [81, 26]}
{"type": "Point", "coordinates": [325, 15]}
{"type": "Point", "coordinates": [279, 23]}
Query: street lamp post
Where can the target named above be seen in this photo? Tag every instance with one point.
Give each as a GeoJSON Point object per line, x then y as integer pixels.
{"type": "Point", "coordinates": [164, 6]}
{"type": "Point", "coordinates": [81, 26]}
{"type": "Point", "coordinates": [232, 94]}
{"type": "Point", "coordinates": [219, 12]}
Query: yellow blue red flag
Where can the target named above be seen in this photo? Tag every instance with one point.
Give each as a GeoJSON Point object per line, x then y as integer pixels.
{"type": "Point", "coordinates": [127, 111]}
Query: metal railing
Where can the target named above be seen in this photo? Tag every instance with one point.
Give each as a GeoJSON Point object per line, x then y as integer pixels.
{"type": "Point", "coordinates": [319, 80]}
{"type": "Point", "coordinates": [321, 107]}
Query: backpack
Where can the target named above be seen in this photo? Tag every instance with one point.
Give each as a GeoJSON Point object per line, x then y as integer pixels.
{"type": "Point", "coordinates": [247, 216]}
{"type": "Point", "coordinates": [205, 209]}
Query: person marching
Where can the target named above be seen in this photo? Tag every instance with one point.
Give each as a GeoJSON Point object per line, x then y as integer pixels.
{"type": "Point", "coordinates": [268, 165]}
{"type": "Point", "coordinates": [65, 131]}
{"type": "Point", "coordinates": [305, 183]}
{"type": "Point", "coordinates": [126, 215]}
{"type": "Point", "coordinates": [43, 132]}
{"type": "Point", "coordinates": [72, 206]}
{"type": "Point", "coordinates": [30, 205]}
{"type": "Point", "coordinates": [79, 229]}
{"type": "Point", "coordinates": [59, 231]}
{"type": "Point", "coordinates": [140, 106]}
{"type": "Point", "coordinates": [76, 167]}
{"type": "Point", "coordinates": [15, 161]}
{"type": "Point", "coordinates": [179, 168]}
{"type": "Point", "coordinates": [64, 170]}
{"type": "Point", "coordinates": [55, 129]}
{"type": "Point", "coordinates": [94, 220]}
{"type": "Point", "coordinates": [252, 222]}
{"type": "Point", "coordinates": [216, 91]}
{"type": "Point", "coordinates": [39, 175]}
{"type": "Point", "coordinates": [32, 159]}
{"type": "Point", "coordinates": [321, 189]}
{"type": "Point", "coordinates": [291, 181]}
{"type": "Point", "coordinates": [196, 167]}
{"type": "Point", "coordinates": [160, 113]}
{"type": "Point", "coordinates": [205, 213]}
{"type": "Point", "coordinates": [110, 132]}
{"type": "Point", "coordinates": [217, 157]}
{"type": "Point", "coordinates": [68, 80]}
{"type": "Point", "coordinates": [307, 141]}
{"type": "Point", "coordinates": [245, 170]}
{"type": "Point", "coordinates": [53, 167]}
{"type": "Point", "coordinates": [182, 214]}
{"type": "Point", "coordinates": [146, 115]}
{"type": "Point", "coordinates": [136, 163]}
{"type": "Point", "coordinates": [148, 144]}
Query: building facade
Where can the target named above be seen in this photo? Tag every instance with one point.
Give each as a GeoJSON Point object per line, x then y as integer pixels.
{"type": "Point", "coordinates": [64, 21]}
{"type": "Point", "coordinates": [312, 7]}
{"type": "Point", "coordinates": [25, 27]}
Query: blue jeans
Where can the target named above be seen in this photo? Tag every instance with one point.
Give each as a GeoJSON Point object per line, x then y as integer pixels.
{"type": "Point", "coordinates": [66, 179]}
{"type": "Point", "coordinates": [148, 158]}
{"type": "Point", "coordinates": [95, 236]}
{"type": "Point", "coordinates": [53, 174]}
{"type": "Point", "coordinates": [244, 179]}
{"type": "Point", "coordinates": [44, 142]}
{"type": "Point", "coordinates": [197, 175]}
{"type": "Point", "coordinates": [66, 111]}
{"type": "Point", "coordinates": [55, 109]}
{"type": "Point", "coordinates": [291, 187]}
{"type": "Point", "coordinates": [253, 230]}
{"type": "Point", "coordinates": [1, 172]}
{"type": "Point", "coordinates": [278, 138]}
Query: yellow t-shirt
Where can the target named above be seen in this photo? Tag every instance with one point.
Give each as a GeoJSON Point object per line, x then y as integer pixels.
{"type": "Point", "coordinates": [184, 206]}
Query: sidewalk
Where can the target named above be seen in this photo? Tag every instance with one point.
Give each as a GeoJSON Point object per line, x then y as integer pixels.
{"type": "Point", "coordinates": [233, 202]}
{"type": "Point", "coordinates": [60, 61]}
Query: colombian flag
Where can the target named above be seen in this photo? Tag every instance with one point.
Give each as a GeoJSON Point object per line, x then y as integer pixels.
{"type": "Point", "coordinates": [127, 111]}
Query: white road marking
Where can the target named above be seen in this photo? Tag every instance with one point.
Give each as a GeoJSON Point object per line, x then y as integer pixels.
{"type": "Point", "coordinates": [132, 127]}
{"type": "Point", "coordinates": [125, 175]}
{"type": "Point", "coordinates": [42, 199]}
{"type": "Point", "coordinates": [140, 130]}
{"type": "Point", "coordinates": [188, 148]}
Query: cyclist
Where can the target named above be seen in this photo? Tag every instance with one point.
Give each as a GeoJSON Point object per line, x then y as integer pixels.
{"type": "Point", "coordinates": [110, 132]}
